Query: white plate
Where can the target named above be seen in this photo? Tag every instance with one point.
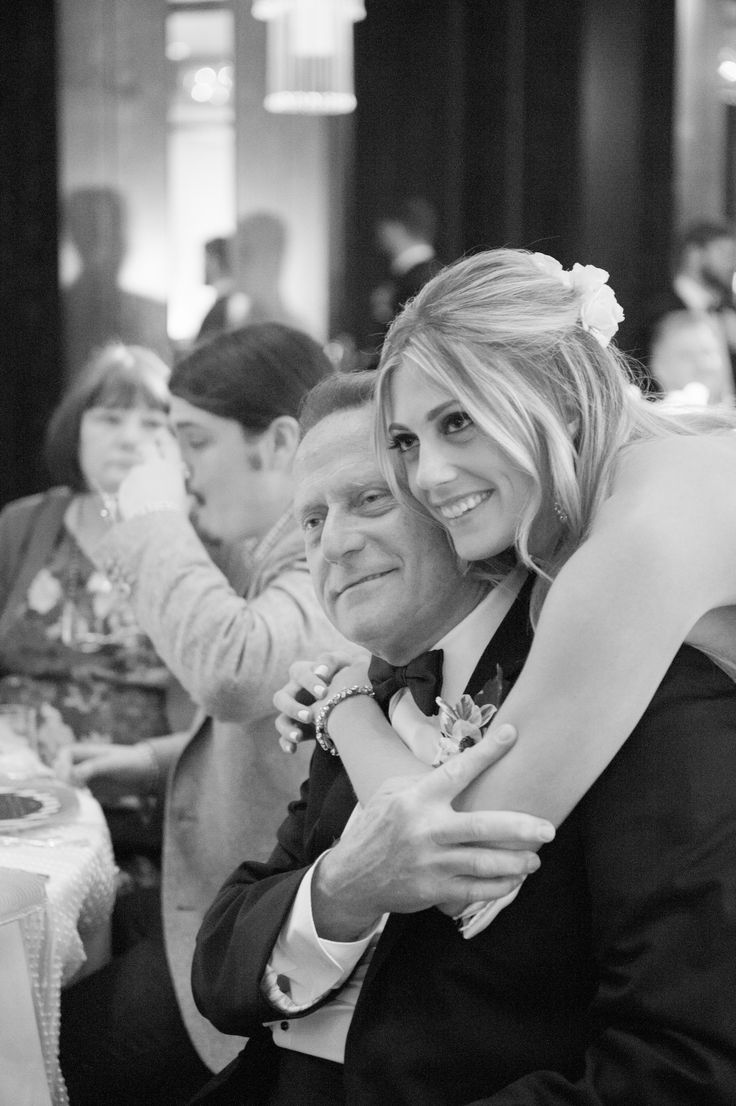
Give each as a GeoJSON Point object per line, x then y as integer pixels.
{"type": "Point", "coordinates": [30, 803]}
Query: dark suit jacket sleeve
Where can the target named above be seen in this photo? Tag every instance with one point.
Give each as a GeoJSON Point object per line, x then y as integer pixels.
{"type": "Point", "coordinates": [241, 927]}
{"type": "Point", "coordinates": [660, 844]}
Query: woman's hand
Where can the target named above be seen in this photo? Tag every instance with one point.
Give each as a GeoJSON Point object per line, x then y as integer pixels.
{"type": "Point", "coordinates": [309, 684]}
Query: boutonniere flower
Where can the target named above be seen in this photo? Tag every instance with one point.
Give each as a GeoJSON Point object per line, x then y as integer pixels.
{"type": "Point", "coordinates": [463, 725]}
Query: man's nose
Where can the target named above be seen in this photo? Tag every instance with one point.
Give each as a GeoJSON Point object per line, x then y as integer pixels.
{"type": "Point", "coordinates": [341, 537]}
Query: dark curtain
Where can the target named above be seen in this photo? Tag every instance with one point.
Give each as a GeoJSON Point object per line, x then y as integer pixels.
{"type": "Point", "coordinates": [29, 316]}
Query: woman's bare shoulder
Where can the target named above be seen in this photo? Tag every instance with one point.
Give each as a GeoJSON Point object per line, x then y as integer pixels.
{"type": "Point", "coordinates": [673, 502]}
{"type": "Point", "coordinates": [709, 457]}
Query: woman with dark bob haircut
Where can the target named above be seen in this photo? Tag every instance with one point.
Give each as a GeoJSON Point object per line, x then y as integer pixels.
{"type": "Point", "coordinates": [118, 376]}
{"type": "Point", "coordinates": [230, 640]}
{"type": "Point", "coordinates": [70, 645]}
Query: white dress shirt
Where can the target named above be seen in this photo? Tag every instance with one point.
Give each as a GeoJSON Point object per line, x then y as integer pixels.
{"type": "Point", "coordinates": [410, 257]}
{"type": "Point", "coordinates": [303, 967]}
{"type": "Point", "coordinates": [695, 296]}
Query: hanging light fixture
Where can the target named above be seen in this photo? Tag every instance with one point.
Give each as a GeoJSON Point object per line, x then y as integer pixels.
{"type": "Point", "coordinates": [310, 55]}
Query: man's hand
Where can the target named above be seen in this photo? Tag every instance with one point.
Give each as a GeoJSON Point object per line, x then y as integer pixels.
{"type": "Point", "coordinates": [110, 771]}
{"type": "Point", "coordinates": [408, 849]}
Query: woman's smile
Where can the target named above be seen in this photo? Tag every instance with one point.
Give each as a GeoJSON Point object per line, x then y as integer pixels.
{"type": "Point", "coordinates": [455, 509]}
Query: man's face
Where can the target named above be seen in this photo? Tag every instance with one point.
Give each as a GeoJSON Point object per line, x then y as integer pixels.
{"type": "Point", "coordinates": [385, 576]}
{"type": "Point", "coordinates": [229, 492]}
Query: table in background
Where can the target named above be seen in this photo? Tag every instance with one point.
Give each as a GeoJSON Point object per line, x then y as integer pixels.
{"type": "Point", "coordinates": [75, 856]}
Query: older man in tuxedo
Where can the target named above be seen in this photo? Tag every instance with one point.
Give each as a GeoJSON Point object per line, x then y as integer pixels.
{"type": "Point", "coordinates": [609, 979]}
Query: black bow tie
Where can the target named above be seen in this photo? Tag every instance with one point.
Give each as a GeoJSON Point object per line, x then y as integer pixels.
{"type": "Point", "coordinates": [423, 677]}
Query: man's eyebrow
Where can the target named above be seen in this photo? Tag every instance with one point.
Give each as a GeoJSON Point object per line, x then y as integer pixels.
{"type": "Point", "coordinates": [306, 508]}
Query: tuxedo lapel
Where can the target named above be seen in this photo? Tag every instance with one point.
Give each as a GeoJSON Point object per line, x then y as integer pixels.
{"type": "Point", "coordinates": [507, 648]}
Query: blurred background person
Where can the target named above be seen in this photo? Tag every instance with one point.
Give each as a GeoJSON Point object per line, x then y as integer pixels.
{"type": "Point", "coordinates": [131, 1033]}
{"type": "Point", "coordinates": [259, 250]}
{"type": "Point", "coordinates": [70, 644]}
{"type": "Point", "coordinates": [702, 280]}
{"type": "Point", "coordinates": [97, 309]}
{"type": "Point", "coordinates": [218, 274]}
{"type": "Point", "coordinates": [405, 235]}
{"type": "Point", "coordinates": [246, 272]}
{"type": "Point", "coordinates": [688, 359]}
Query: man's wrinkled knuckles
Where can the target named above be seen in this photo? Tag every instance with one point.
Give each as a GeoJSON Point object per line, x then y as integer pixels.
{"type": "Point", "coordinates": [457, 772]}
{"type": "Point", "coordinates": [504, 829]}
{"type": "Point", "coordinates": [484, 864]}
{"type": "Point", "coordinates": [492, 888]}
{"type": "Point", "coordinates": [476, 827]}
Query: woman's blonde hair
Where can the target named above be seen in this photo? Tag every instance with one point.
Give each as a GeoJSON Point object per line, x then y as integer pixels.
{"type": "Point", "coordinates": [505, 338]}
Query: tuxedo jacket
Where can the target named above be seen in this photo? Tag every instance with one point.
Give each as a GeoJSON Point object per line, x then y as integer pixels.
{"type": "Point", "coordinates": [610, 979]}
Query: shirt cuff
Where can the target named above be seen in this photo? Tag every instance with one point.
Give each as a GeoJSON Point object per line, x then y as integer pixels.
{"type": "Point", "coordinates": [304, 967]}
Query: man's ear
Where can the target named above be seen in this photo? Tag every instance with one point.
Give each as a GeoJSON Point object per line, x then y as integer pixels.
{"type": "Point", "coordinates": [279, 443]}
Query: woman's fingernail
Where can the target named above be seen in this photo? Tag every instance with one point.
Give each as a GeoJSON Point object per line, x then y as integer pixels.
{"type": "Point", "coordinates": [321, 670]}
{"type": "Point", "coordinates": [504, 734]}
{"type": "Point", "coordinates": [303, 715]}
{"type": "Point", "coordinates": [294, 736]}
{"type": "Point", "coordinates": [546, 833]}
{"type": "Point", "coordinates": [286, 745]}
{"type": "Point", "coordinates": [319, 690]}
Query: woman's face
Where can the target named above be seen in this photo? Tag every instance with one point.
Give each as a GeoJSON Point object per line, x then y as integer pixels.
{"type": "Point", "coordinates": [228, 487]}
{"type": "Point", "coordinates": [114, 439]}
{"type": "Point", "coordinates": [453, 469]}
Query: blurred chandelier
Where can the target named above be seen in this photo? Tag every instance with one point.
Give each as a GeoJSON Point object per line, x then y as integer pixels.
{"type": "Point", "coordinates": [310, 55]}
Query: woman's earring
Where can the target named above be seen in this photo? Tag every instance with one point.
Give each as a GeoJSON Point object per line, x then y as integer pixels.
{"type": "Point", "coordinates": [560, 512]}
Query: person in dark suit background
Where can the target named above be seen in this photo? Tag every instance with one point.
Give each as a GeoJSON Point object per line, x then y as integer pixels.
{"type": "Point", "coordinates": [97, 309]}
{"type": "Point", "coordinates": [570, 995]}
{"type": "Point", "coordinates": [406, 236]}
{"type": "Point", "coordinates": [702, 281]}
{"type": "Point", "coordinates": [218, 274]}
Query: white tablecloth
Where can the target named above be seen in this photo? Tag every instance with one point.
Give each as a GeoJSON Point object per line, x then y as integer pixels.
{"type": "Point", "coordinates": [76, 857]}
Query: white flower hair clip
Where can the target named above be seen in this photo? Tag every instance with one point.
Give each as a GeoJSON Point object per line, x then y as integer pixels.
{"type": "Point", "coordinates": [600, 311]}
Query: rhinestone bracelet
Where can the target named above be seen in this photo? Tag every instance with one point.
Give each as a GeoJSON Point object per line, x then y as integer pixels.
{"type": "Point", "coordinates": [320, 722]}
